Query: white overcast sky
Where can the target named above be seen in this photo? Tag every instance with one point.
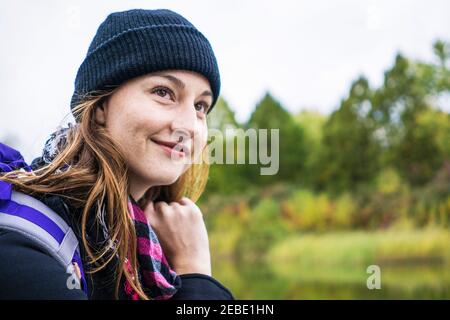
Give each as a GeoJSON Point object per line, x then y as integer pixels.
{"type": "Point", "coordinates": [305, 52]}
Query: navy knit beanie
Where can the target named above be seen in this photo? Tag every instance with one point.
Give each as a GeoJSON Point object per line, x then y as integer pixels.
{"type": "Point", "coordinates": [132, 43]}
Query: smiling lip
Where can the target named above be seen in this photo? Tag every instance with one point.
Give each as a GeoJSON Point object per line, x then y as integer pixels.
{"type": "Point", "coordinates": [168, 147]}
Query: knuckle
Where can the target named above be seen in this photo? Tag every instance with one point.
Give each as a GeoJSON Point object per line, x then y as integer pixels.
{"type": "Point", "coordinates": [174, 205]}
{"type": "Point", "coordinates": [160, 206]}
{"type": "Point", "coordinates": [186, 201]}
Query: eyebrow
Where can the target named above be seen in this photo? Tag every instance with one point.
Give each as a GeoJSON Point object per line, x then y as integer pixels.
{"type": "Point", "coordinates": [180, 84]}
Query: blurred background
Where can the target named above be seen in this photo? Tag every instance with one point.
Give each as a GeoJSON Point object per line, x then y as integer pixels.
{"type": "Point", "coordinates": [360, 91]}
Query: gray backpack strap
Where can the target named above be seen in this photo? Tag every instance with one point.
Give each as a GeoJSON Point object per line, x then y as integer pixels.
{"type": "Point", "coordinates": [33, 219]}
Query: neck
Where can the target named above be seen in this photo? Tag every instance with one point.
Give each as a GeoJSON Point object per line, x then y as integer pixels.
{"type": "Point", "coordinates": [137, 188]}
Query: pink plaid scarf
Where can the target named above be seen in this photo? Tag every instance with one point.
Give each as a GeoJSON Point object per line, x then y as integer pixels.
{"type": "Point", "coordinates": [160, 282]}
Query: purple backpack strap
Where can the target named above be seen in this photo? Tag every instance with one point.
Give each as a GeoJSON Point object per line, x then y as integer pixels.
{"type": "Point", "coordinates": [11, 159]}
{"type": "Point", "coordinates": [32, 218]}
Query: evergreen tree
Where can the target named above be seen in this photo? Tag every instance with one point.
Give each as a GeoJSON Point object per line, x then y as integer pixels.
{"type": "Point", "coordinates": [270, 114]}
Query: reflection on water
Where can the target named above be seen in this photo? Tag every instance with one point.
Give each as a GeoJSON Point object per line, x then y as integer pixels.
{"type": "Point", "coordinates": [282, 281]}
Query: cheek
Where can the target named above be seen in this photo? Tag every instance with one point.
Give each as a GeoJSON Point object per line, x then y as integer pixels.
{"type": "Point", "coordinates": [122, 130]}
{"type": "Point", "coordinates": [130, 134]}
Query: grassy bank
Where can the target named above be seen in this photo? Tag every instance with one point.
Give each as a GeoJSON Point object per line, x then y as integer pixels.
{"type": "Point", "coordinates": [344, 257]}
{"type": "Point", "coordinates": [431, 245]}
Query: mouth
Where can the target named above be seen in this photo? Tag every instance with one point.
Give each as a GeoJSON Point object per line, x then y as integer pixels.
{"type": "Point", "coordinates": [178, 149]}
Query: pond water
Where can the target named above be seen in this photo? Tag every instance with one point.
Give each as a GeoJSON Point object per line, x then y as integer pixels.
{"type": "Point", "coordinates": [284, 281]}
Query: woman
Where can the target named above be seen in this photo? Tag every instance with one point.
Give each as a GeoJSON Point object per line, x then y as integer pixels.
{"type": "Point", "coordinates": [126, 176]}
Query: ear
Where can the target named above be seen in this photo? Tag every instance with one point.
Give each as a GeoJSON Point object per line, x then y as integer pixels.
{"type": "Point", "coordinates": [100, 113]}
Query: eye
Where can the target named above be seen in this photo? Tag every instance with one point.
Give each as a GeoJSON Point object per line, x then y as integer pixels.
{"type": "Point", "coordinates": [163, 92]}
{"type": "Point", "coordinates": [201, 105]}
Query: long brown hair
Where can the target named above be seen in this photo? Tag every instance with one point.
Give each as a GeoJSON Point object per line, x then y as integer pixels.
{"type": "Point", "coordinates": [91, 170]}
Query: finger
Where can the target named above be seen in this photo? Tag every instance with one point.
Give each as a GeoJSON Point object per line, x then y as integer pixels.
{"type": "Point", "coordinates": [150, 206]}
{"type": "Point", "coordinates": [150, 212]}
{"type": "Point", "coordinates": [185, 201]}
{"type": "Point", "coordinates": [174, 204]}
{"type": "Point", "coordinates": [161, 206]}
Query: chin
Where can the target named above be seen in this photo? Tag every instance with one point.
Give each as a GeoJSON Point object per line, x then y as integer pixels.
{"type": "Point", "coordinates": [162, 176]}
{"type": "Point", "coordinates": [168, 182]}
{"type": "Point", "coordinates": [166, 179]}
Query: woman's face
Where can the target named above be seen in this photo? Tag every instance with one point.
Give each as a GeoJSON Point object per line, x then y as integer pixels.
{"type": "Point", "coordinates": [164, 107]}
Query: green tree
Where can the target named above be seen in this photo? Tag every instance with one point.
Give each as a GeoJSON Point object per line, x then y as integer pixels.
{"type": "Point", "coordinates": [409, 90]}
{"type": "Point", "coordinates": [223, 178]}
{"type": "Point", "coordinates": [350, 150]}
{"type": "Point", "coordinates": [270, 114]}
{"type": "Point", "coordinates": [312, 123]}
{"type": "Point", "coordinates": [222, 116]}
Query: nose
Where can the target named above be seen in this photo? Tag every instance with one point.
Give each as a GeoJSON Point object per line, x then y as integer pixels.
{"type": "Point", "coordinates": [185, 124]}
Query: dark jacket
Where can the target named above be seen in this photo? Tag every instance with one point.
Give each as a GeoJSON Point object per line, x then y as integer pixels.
{"type": "Point", "coordinates": [27, 271]}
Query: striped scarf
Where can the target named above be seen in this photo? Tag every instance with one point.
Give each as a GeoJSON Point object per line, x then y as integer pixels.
{"type": "Point", "coordinates": [159, 280]}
